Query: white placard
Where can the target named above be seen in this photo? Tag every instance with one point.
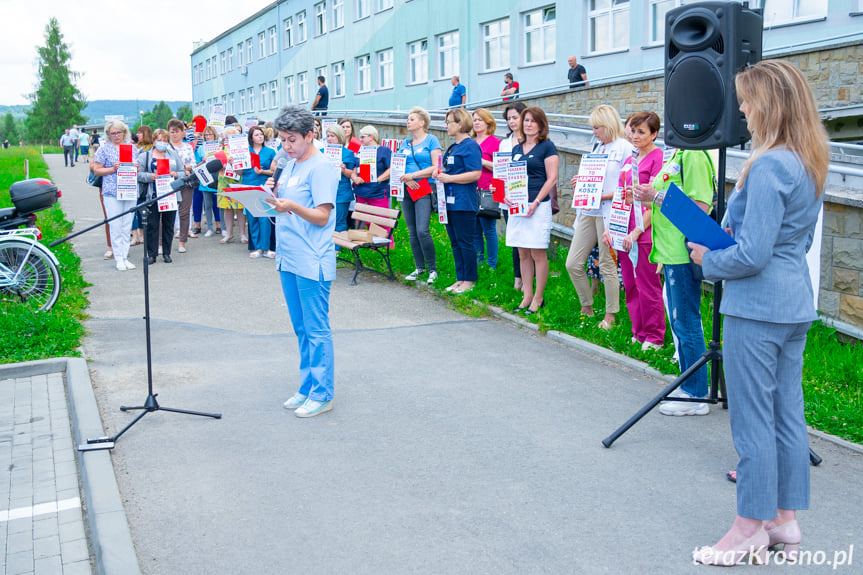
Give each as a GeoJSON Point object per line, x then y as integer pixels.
{"type": "Point", "coordinates": [368, 157]}
{"type": "Point", "coordinates": [618, 222]}
{"type": "Point", "coordinates": [163, 186]}
{"type": "Point", "coordinates": [333, 153]}
{"type": "Point", "coordinates": [516, 188]}
{"type": "Point", "coordinates": [441, 203]}
{"type": "Point", "coordinates": [639, 216]}
{"type": "Point", "coordinates": [127, 182]}
{"type": "Point", "coordinates": [587, 193]}
{"type": "Point", "coordinates": [217, 117]}
{"type": "Point", "coordinates": [397, 170]}
{"type": "Point", "coordinates": [238, 147]}
{"type": "Point", "coordinates": [500, 160]}
{"type": "Point", "coordinates": [210, 148]}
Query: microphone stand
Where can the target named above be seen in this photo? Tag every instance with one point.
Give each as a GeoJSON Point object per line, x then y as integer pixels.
{"type": "Point", "coordinates": [150, 404]}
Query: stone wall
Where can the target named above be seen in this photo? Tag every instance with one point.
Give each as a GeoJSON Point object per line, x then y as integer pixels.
{"type": "Point", "coordinates": [841, 294]}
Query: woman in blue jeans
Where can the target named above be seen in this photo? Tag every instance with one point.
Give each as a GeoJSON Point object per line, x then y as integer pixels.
{"type": "Point", "coordinates": [462, 166]}
{"type": "Point", "coordinates": [260, 229]}
{"type": "Point", "coordinates": [423, 154]}
{"type": "Point", "coordinates": [305, 256]}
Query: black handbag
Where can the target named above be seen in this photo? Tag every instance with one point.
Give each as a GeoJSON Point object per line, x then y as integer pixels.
{"type": "Point", "coordinates": [94, 180]}
{"type": "Point", "coordinates": [488, 208]}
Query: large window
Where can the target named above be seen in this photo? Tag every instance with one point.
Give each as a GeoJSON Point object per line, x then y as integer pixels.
{"type": "Point", "coordinates": [320, 18]}
{"type": "Point", "coordinates": [289, 32]}
{"type": "Point", "coordinates": [418, 62]}
{"type": "Point", "coordinates": [242, 101]}
{"type": "Point", "coordinates": [495, 44]}
{"type": "Point", "coordinates": [609, 25]}
{"type": "Point", "coordinates": [274, 94]}
{"type": "Point", "coordinates": [301, 27]}
{"type": "Point", "coordinates": [223, 57]}
{"type": "Point", "coordinates": [262, 46]}
{"type": "Point", "coordinates": [540, 35]}
{"type": "Point", "coordinates": [338, 13]}
{"type": "Point", "coordinates": [339, 79]}
{"type": "Point", "coordinates": [249, 54]}
{"type": "Point", "coordinates": [658, 10]}
{"type": "Point", "coordinates": [230, 107]}
{"type": "Point", "coordinates": [303, 86]}
{"type": "Point", "coordinates": [209, 72]}
{"type": "Point", "coordinates": [385, 69]}
{"type": "Point", "coordinates": [322, 71]}
{"type": "Point", "coordinates": [778, 12]}
{"type": "Point", "coordinates": [250, 103]}
{"type": "Point", "coordinates": [362, 9]}
{"type": "Point", "coordinates": [262, 89]}
{"type": "Point", "coordinates": [230, 59]}
{"type": "Point", "coordinates": [289, 90]}
{"type": "Point", "coordinates": [447, 55]}
{"type": "Point", "coordinates": [271, 37]}
{"type": "Point", "coordinates": [363, 74]}
{"type": "Point", "coordinates": [240, 61]}
{"type": "Point", "coordinates": [383, 4]}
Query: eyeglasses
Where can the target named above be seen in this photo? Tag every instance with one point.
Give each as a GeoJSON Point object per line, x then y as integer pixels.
{"type": "Point", "coordinates": [116, 133]}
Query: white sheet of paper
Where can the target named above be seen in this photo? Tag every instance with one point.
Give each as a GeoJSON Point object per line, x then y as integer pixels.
{"type": "Point", "coordinates": [254, 200]}
{"type": "Point", "coordinates": [127, 182]}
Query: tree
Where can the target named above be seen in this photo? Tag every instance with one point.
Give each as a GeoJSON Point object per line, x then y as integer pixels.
{"type": "Point", "coordinates": [10, 131]}
{"type": "Point", "coordinates": [158, 117]}
{"type": "Point", "coordinates": [185, 113]}
{"type": "Point", "coordinates": [57, 102]}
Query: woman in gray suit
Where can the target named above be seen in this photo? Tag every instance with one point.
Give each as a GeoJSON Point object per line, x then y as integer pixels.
{"type": "Point", "coordinates": [768, 308]}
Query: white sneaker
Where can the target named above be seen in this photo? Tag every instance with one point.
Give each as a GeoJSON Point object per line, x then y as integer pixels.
{"type": "Point", "coordinates": [414, 275]}
{"type": "Point", "coordinates": [650, 346]}
{"type": "Point", "coordinates": [296, 401]}
{"type": "Point", "coordinates": [311, 408]}
{"type": "Point", "coordinates": [209, 234]}
{"type": "Point", "coordinates": [129, 265]}
{"type": "Point", "coordinates": [678, 408]}
{"type": "Point", "coordinates": [432, 277]}
{"type": "Point", "coordinates": [181, 249]}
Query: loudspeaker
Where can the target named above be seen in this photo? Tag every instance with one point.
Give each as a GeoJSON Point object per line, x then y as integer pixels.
{"type": "Point", "coordinates": [706, 44]}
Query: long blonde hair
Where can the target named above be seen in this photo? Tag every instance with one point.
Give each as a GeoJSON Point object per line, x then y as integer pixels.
{"type": "Point", "coordinates": [782, 114]}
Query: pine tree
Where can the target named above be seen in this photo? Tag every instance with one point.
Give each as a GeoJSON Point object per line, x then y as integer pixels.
{"type": "Point", "coordinates": [57, 102]}
{"type": "Point", "coordinates": [185, 113]}
{"type": "Point", "coordinates": [158, 117]}
{"type": "Point", "coordinates": [9, 129]}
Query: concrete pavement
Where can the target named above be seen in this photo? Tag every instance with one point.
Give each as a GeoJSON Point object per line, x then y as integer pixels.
{"type": "Point", "coordinates": [456, 445]}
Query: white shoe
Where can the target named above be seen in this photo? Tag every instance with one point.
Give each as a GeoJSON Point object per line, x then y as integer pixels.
{"type": "Point", "coordinates": [129, 265]}
{"type": "Point", "coordinates": [209, 234]}
{"type": "Point", "coordinates": [679, 408]}
{"type": "Point", "coordinates": [296, 401]}
{"type": "Point", "coordinates": [650, 346]}
{"type": "Point", "coordinates": [432, 277]}
{"type": "Point", "coordinates": [414, 275]}
{"type": "Point", "coordinates": [181, 249]}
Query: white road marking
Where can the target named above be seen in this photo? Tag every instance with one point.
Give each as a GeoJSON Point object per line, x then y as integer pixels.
{"type": "Point", "coordinates": [41, 509]}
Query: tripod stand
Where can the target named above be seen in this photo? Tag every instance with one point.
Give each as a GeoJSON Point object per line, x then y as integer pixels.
{"type": "Point", "coordinates": [713, 355]}
{"type": "Point", "coordinates": [150, 404]}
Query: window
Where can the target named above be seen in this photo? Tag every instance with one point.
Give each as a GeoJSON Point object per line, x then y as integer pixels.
{"type": "Point", "coordinates": [209, 73]}
{"type": "Point", "coordinates": [301, 26]}
{"type": "Point", "coordinates": [778, 12]}
{"type": "Point", "coordinates": [303, 86]}
{"type": "Point", "coordinates": [271, 35]}
{"type": "Point", "coordinates": [385, 69]}
{"type": "Point", "coordinates": [274, 94]}
{"type": "Point", "coordinates": [384, 4]}
{"type": "Point", "coordinates": [339, 79]}
{"type": "Point", "coordinates": [242, 101]}
{"type": "Point", "coordinates": [240, 55]}
{"type": "Point", "coordinates": [249, 55]}
{"type": "Point", "coordinates": [289, 32]}
{"type": "Point", "coordinates": [338, 13]}
{"type": "Point", "coordinates": [447, 55]}
{"type": "Point", "coordinates": [362, 9]}
{"type": "Point", "coordinates": [539, 34]}
{"type": "Point", "coordinates": [262, 90]}
{"type": "Point", "coordinates": [320, 18]}
{"type": "Point", "coordinates": [230, 59]}
{"type": "Point", "coordinates": [658, 10]}
{"type": "Point", "coordinates": [223, 64]}
{"type": "Point", "coordinates": [289, 89]}
{"type": "Point", "coordinates": [609, 25]}
{"type": "Point", "coordinates": [230, 107]}
{"type": "Point", "coordinates": [495, 45]}
{"type": "Point", "coordinates": [363, 74]}
{"type": "Point", "coordinates": [418, 62]}
{"type": "Point", "coordinates": [250, 105]}
{"type": "Point", "coordinates": [262, 46]}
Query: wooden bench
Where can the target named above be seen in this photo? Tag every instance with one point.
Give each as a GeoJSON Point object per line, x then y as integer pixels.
{"type": "Point", "coordinates": [377, 238]}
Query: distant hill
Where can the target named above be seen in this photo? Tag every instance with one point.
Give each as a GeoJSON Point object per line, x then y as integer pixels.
{"type": "Point", "coordinates": [98, 109]}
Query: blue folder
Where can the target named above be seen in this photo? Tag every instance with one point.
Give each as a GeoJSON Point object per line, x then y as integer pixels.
{"type": "Point", "coordinates": [697, 226]}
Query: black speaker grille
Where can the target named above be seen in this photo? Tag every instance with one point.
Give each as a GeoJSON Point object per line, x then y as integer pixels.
{"type": "Point", "coordinates": [694, 98]}
{"type": "Point", "coordinates": [719, 46]}
{"type": "Point", "coordinates": [673, 50]}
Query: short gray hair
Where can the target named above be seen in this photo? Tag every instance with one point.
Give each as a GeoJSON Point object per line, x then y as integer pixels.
{"type": "Point", "coordinates": [369, 131]}
{"type": "Point", "coordinates": [295, 119]}
{"type": "Point", "coordinates": [338, 132]}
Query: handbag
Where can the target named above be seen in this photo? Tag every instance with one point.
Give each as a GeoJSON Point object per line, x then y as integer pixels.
{"type": "Point", "coordinates": [94, 180]}
{"type": "Point", "coordinates": [488, 208]}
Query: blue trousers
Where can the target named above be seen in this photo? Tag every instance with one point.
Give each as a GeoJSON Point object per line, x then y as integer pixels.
{"type": "Point", "coordinates": [486, 228]}
{"type": "Point", "coordinates": [309, 305]}
{"type": "Point", "coordinates": [461, 230]}
{"type": "Point", "coordinates": [261, 232]}
{"type": "Point", "coordinates": [684, 308]}
{"type": "Point", "coordinates": [764, 369]}
{"type": "Point", "coordinates": [342, 209]}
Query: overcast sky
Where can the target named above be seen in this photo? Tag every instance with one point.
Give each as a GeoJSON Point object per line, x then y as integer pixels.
{"type": "Point", "coordinates": [124, 50]}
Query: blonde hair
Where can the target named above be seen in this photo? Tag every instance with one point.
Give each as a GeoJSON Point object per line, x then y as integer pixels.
{"type": "Point", "coordinates": [161, 133]}
{"type": "Point", "coordinates": [117, 125]}
{"type": "Point", "coordinates": [338, 132]}
{"type": "Point", "coordinates": [486, 117]}
{"type": "Point", "coordinates": [782, 114]}
{"type": "Point", "coordinates": [461, 117]}
{"type": "Point", "coordinates": [423, 115]}
{"type": "Point", "coordinates": [607, 117]}
{"type": "Point", "coordinates": [369, 131]}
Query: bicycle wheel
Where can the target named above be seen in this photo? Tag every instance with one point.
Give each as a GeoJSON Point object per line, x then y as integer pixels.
{"type": "Point", "coordinates": [32, 280]}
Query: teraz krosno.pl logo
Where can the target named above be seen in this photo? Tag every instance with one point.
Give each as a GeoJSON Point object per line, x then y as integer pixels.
{"type": "Point", "coordinates": [807, 557]}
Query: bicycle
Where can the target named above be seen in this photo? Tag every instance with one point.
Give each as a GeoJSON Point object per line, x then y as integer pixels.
{"type": "Point", "coordinates": [28, 270]}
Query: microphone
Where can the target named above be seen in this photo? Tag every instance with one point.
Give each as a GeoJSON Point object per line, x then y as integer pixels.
{"type": "Point", "coordinates": [278, 173]}
{"type": "Point", "coordinates": [213, 166]}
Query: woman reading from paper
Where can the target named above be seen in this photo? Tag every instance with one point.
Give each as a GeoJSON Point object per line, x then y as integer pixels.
{"type": "Point", "coordinates": [768, 308]}
{"type": "Point", "coordinates": [305, 256]}
{"type": "Point", "coordinates": [641, 277]}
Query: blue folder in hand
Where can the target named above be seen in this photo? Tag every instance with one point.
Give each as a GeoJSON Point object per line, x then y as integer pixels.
{"type": "Point", "coordinates": [697, 226]}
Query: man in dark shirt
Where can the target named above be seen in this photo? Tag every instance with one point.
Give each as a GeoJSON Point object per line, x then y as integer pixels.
{"type": "Point", "coordinates": [322, 100]}
{"type": "Point", "coordinates": [577, 74]}
{"type": "Point", "coordinates": [510, 88]}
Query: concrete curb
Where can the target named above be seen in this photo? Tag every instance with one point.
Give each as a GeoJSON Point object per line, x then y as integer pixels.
{"type": "Point", "coordinates": [109, 528]}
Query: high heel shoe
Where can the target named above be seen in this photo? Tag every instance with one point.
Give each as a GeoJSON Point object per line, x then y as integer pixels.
{"type": "Point", "coordinates": [531, 312]}
{"type": "Point", "coordinates": [754, 549]}
{"type": "Point", "coordinates": [788, 535]}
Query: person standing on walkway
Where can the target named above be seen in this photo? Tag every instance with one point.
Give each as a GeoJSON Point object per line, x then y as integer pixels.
{"type": "Point", "coordinates": [306, 257]}
{"type": "Point", "coordinates": [176, 131]}
{"type": "Point", "coordinates": [485, 239]}
{"type": "Point", "coordinates": [156, 220]}
{"type": "Point", "coordinates": [106, 164]}
{"type": "Point", "coordinates": [260, 229]}
{"type": "Point", "coordinates": [512, 117]}
{"type": "Point", "coordinates": [67, 144]}
{"type": "Point", "coordinates": [322, 99]}
{"type": "Point", "coordinates": [768, 307]}
{"type": "Point", "coordinates": [84, 145]}
{"type": "Point", "coordinates": [459, 94]}
{"type": "Point", "coordinates": [75, 136]}
{"type": "Point", "coordinates": [423, 154]}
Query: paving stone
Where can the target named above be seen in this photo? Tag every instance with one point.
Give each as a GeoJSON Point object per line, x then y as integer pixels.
{"type": "Point", "coordinates": [74, 551]}
{"type": "Point", "coordinates": [18, 542]}
{"type": "Point", "coordinates": [77, 568]}
{"type": "Point", "coordinates": [48, 566]}
{"type": "Point", "coordinates": [45, 526]}
{"type": "Point", "coordinates": [46, 547]}
{"type": "Point", "coordinates": [72, 531]}
{"type": "Point", "coordinates": [22, 525]}
{"type": "Point", "coordinates": [19, 563]}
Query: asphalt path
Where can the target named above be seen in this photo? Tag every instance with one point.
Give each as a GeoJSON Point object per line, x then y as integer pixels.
{"type": "Point", "coordinates": [456, 444]}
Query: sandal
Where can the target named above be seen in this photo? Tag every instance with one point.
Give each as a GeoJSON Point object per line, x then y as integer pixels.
{"type": "Point", "coordinates": [255, 254]}
{"type": "Point", "coordinates": [731, 476]}
{"type": "Point", "coordinates": [108, 255]}
{"type": "Point", "coordinates": [604, 324]}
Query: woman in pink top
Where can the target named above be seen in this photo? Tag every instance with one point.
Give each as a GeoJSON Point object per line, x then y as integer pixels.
{"type": "Point", "coordinates": [640, 277]}
{"type": "Point", "coordinates": [484, 127]}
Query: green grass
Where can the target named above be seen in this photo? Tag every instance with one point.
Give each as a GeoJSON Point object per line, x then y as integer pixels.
{"type": "Point", "coordinates": [26, 335]}
{"type": "Point", "coordinates": [833, 369]}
